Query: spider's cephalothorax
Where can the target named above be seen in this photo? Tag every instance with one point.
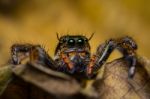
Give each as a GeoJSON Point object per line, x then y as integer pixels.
{"type": "Point", "coordinates": [72, 55]}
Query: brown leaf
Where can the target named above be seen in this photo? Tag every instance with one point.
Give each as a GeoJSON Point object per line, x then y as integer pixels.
{"type": "Point", "coordinates": [116, 84]}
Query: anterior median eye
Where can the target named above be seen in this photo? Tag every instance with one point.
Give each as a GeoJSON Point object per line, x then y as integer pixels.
{"type": "Point", "coordinates": [71, 42]}
{"type": "Point", "coordinates": [80, 41]}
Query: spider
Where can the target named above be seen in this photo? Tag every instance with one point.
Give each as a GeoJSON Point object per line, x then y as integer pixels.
{"type": "Point", "coordinates": [73, 56]}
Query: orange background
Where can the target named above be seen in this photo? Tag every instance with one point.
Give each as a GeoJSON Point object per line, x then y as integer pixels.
{"type": "Point", "coordinates": [37, 21]}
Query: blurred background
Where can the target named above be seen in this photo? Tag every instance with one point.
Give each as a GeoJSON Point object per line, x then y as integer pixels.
{"type": "Point", "coordinates": [37, 21]}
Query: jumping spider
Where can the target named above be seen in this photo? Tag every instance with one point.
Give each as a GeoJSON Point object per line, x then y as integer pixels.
{"type": "Point", "coordinates": [73, 56]}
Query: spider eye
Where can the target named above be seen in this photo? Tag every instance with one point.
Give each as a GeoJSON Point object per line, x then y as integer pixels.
{"type": "Point", "coordinates": [80, 41]}
{"type": "Point", "coordinates": [71, 42]}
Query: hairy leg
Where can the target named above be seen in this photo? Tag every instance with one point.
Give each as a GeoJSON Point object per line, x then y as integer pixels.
{"type": "Point", "coordinates": [125, 45]}
{"type": "Point", "coordinates": [35, 53]}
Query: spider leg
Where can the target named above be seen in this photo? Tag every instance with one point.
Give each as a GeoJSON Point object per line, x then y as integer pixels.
{"type": "Point", "coordinates": [19, 52]}
{"type": "Point", "coordinates": [125, 45]}
{"type": "Point", "coordinates": [132, 63]}
{"type": "Point", "coordinates": [35, 53]}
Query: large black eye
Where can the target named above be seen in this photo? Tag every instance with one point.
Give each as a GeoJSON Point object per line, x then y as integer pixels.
{"type": "Point", "coordinates": [71, 42]}
{"type": "Point", "coordinates": [80, 41]}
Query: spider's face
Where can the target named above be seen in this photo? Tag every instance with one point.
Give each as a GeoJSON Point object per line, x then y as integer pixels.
{"type": "Point", "coordinates": [68, 44]}
{"type": "Point", "coordinates": [76, 48]}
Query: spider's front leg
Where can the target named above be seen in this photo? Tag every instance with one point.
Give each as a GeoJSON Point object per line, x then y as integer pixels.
{"type": "Point", "coordinates": [35, 53]}
{"type": "Point", "coordinates": [125, 45]}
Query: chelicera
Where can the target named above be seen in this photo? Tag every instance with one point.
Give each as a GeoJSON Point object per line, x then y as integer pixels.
{"type": "Point", "coordinates": [73, 55]}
